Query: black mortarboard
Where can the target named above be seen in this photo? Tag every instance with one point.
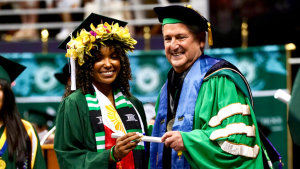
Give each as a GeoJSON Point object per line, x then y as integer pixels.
{"type": "Point", "coordinates": [183, 14]}
{"type": "Point", "coordinates": [64, 76]}
{"type": "Point", "coordinates": [10, 70]}
{"type": "Point", "coordinates": [92, 18]}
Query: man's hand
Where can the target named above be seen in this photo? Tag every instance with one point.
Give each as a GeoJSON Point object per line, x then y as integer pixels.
{"type": "Point", "coordinates": [174, 140]}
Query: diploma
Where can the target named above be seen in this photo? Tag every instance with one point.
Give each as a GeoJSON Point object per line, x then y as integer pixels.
{"type": "Point", "coordinates": [144, 138]}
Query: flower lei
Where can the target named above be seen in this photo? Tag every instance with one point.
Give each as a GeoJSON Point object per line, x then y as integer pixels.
{"type": "Point", "coordinates": [85, 40]}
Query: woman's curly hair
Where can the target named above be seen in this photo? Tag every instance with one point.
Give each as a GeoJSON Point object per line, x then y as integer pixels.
{"type": "Point", "coordinates": [83, 73]}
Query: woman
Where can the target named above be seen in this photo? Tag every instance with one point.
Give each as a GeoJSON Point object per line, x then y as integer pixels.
{"type": "Point", "coordinates": [102, 103]}
{"type": "Point", "coordinates": [19, 144]}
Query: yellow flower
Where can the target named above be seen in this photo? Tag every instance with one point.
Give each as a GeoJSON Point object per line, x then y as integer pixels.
{"type": "Point", "coordinates": [71, 53]}
{"type": "Point", "coordinates": [100, 28]}
{"type": "Point", "coordinates": [89, 46]}
{"type": "Point", "coordinates": [92, 38]}
{"type": "Point", "coordinates": [86, 36]}
{"type": "Point", "coordinates": [80, 57]}
{"type": "Point", "coordinates": [107, 27]}
{"type": "Point", "coordinates": [68, 53]}
{"type": "Point", "coordinates": [71, 44]}
{"type": "Point", "coordinates": [115, 28]}
{"type": "Point", "coordinates": [85, 41]}
{"type": "Point", "coordinates": [99, 31]}
{"type": "Point", "coordinates": [79, 43]}
{"type": "Point", "coordinates": [93, 27]}
{"type": "Point", "coordinates": [125, 33]}
{"type": "Point", "coordinates": [133, 42]}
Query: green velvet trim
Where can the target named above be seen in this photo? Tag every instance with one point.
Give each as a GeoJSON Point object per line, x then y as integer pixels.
{"type": "Point", "coordinates": [236, 78]}
{"type": "Point", "coordinates": [171, 21]}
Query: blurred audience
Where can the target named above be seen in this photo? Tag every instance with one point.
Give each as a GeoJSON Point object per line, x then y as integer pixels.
{"type": "Point", "coordinates": [94, 6]}
{"type": "Point", "coordinates": [66, 17]}
{"type": "Point", "coordinates": [24, 33]}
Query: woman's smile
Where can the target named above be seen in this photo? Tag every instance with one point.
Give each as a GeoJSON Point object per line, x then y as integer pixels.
{"type": "Point", "coordinates": [107, 66]}
{"type": "Point", "coordinates": [107, 73]}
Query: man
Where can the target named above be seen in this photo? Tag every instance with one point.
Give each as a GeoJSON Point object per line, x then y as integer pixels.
{"type": "Point", "coordinates": [205, 109]}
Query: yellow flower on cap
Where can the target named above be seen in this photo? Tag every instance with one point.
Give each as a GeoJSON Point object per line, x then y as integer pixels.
{"type": "Point", "coordinates": [80, 57]}
{"type": "Point", "coordinates": [99, 30]}
{"type": "Point", "coordinates": [85, 36]}
{"type": "Point", "coordinates": [71, 53]}
{"type": "Point", "coordinates": [125, 33]}
{"type": "Point", "coordinates": [107, 27]}
{"type": "Point", "coordinates": [85, 41]}
{"type": "Point", "coordinates": [79, 44]}
{"type": "Point", "coordinates": [115, 28]}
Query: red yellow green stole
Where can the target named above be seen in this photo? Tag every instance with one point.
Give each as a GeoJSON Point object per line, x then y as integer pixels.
{"type": "Point", "coordinates": [106, 119]}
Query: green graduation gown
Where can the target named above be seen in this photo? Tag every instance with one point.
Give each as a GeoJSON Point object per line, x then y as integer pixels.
{"type": "Point", "coordinates": [39, 159]}
{"type": "Point", "coordinates": [74, 141]}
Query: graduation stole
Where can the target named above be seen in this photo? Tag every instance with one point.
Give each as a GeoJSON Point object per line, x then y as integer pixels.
{"type": "Point", "coordinates": [184, 118]}
{"type": "Point", "coordinates": [3, 147]}
{"type": "Point", "coordinates": [107, 120]}
{"type": "Point", "coordinates": [33, 139]}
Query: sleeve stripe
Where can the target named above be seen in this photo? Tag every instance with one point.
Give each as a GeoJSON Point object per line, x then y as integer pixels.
{"type": "Point", "coordinates": [230, 110]}
{"type": "Point", "coordinates": [239, 149]}
{"type": "Point", "coordinates": [230, 129]}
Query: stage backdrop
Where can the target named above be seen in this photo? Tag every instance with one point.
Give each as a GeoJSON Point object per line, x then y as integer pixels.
{"type": "Point", "coordinates": [264, 67]}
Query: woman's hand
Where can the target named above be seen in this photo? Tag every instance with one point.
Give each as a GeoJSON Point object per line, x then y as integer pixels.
{"type": "Point", "coordinates": [125, 144]}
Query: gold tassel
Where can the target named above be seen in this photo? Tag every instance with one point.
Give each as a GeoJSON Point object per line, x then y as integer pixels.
{"type": "Point", "coordinates": [210, 39]}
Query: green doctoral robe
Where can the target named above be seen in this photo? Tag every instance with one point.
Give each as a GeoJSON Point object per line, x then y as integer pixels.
{"type": "Point", "coordinates": [209, 144]}
{"type": "Point", "coordinates": [39, 159]}
{"type": "Point", "coordinates": [206, 144]}
{"type": "Point", "coordinates": [74, 141]}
